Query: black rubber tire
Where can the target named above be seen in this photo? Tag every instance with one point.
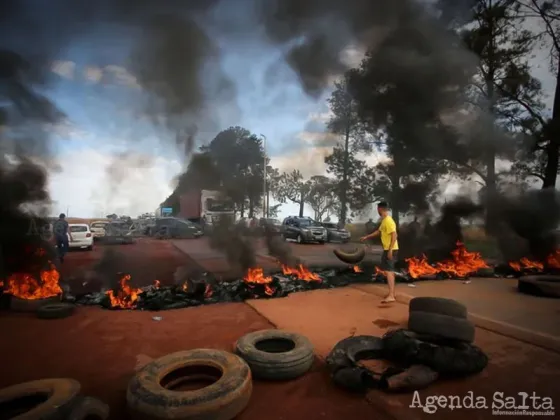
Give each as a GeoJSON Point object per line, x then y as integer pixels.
{"type": "Point", "coordinates": [443, 326]}
{"type": "Point", "coordinates": [299, 240]}
{"type": "Point", "coordinates": [404, 348]}
{"type": "Point", "coordinates": [223, 400]}
{"type": "Point", "coordinates": [540, 285]}
{"type": "Point", "coordinates": [344, 370]}
{"type": "Point", "coordinates": [89, 248]}
{"type": "Point", "coordinates": [321, 242]}
{"type": "Point", "coordinates": [350, 257]}
{"type": "Point", "coordinates": [55, 311]}
{"type": "Point", "coordinates": [276, 366]}
{"type": "Point", "coordinates": [485, 272]}
{"type": "Point", "coordinates": [441, 306]}
{"type": "Point", "coordinates": [60, 393]}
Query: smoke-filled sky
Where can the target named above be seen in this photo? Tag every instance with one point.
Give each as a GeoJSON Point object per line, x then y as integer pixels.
{"type": "Point", "coordinates": [113, 158]}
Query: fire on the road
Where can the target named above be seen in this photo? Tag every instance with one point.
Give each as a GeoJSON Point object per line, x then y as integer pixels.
{"type": "Point", "coordinates": [461, 264]}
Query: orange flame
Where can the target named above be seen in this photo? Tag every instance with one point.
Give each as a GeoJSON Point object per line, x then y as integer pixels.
{"type": "Point", "coordinates": [157, 284]}
{"type": "Point", "coordinates": [526, 264]}
{"type": "Point", "coordinates": [26, 286]}
{"type": "Point", "coordinates": [357, 269]}
{"type": "Point", "coordinates": [461, 264]}
{"type": "Point", "coordinates": [419, 267]}
{"type": "Point", "coordinates": [126, 297]}
{"type": "Point", "coordinates": [300, 272]}
{"type": "Point", "coordinates": [185, 287]}
{"type": "Point", "coordinates": [256, 276]}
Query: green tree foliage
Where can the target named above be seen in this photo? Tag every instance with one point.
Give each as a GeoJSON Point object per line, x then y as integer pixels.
{"type": "Point", "coordinates": [543, 162]}
{"type": "Point", "coordinates": [359, 191]}
{"type": "Point", "coordinates": [322, 195]}
{"type": "Point", "coordinates": [503, 95]}
{"type": "Point", "coordinates": [402, 87]}
{"type": "Point", "coordinates": [232, 162]}
{"type": "Point", "coordinates": [292, 187]}
{"type": "Point", "coordinates": [345, 121]}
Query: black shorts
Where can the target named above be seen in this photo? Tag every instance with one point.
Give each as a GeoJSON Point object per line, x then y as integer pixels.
{"type": "Point", "coordinates": [388, 264]}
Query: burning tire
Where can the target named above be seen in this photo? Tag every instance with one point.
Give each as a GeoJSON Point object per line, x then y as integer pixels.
{"type": "Point", "coordinates": [158, 390]}
{"type": "Point", "coordinates": [88, 408]}
{"type": "Point", "coordinates": [31, 305]}
{"type": "Point", "coordinates": [353, 257]}
{"type": "Point", "coordinates": [55, 311]}
{"type": "Point", "coordinates": [442, 326]}
{"type": "Point", "coordinates": [439, 306]}
{"type": "Point", "coordinates": [42, 399]}
{"type": "Point", "coordinates": [451, 360]}
{"type": "Point", "coordinates": [274, 354]}
{"type": "Point", "coordinates": [541, 285]}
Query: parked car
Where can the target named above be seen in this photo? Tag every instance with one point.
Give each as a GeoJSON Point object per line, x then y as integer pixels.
{"type": "Point", "coordinates": [98, 229]}
{"type": "Point", "coordinates": [172, 227]}
{"type": "Point", "coordinates": [303, 229]}
{"type": "Point", "coordinates": [336, 234]}
{"type": "Point", "coordinates": [81, 236]}
{"type": "Point", "coordinates": [274, 225]}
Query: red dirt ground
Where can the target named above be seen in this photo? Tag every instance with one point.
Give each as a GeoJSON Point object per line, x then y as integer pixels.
{"type": "Point", "coordinates": [327, 316]}
{"type": "Point", "coordinates": [102, 348]}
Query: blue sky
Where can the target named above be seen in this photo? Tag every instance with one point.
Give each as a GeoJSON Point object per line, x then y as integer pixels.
{"type": "Point", "coordinates": [102, 122]}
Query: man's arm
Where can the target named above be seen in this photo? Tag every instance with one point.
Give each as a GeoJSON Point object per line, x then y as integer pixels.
{"type": "Point", "coordinates": [371, 235]}
{"type": "Point", "coordinates": [393, 240]}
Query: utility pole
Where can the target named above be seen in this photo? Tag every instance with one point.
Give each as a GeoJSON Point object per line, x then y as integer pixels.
{"type": "Point", "coordinates": [265, 210]}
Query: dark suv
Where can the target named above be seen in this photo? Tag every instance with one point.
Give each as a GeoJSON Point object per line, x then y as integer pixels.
{"type": "Point", "coordinates": [171, 227]}
{"type": "Point", "coordinates": [336, 234]}
{"type": "Point", "coordinates": [303, 229]}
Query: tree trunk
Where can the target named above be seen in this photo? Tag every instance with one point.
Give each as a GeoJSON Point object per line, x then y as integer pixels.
{"type": "Point", "coordinates": [243, 209]}
{"type": "Point", "coordinates": [344, 184]}
{"type": "Point", "coordinates": [553, 146]}
{"type": "Point", "coordinates": [301, 204]}
{"type": "Point", "coordinates": [490, 157]}
{"type": "Point", "coordinates": [251, 207]}
{"type": "Point", "coordinates": [267, 203]}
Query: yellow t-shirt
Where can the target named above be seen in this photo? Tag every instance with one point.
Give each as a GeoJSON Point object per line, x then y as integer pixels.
{"type": "Point", "coordinates": [387, 227]}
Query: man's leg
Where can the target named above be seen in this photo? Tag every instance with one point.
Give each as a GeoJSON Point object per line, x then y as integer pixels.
{"type": "Point", "coordinates": [389, 267]}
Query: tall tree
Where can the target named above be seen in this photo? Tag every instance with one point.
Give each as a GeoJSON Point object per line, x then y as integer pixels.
{"type": "Point", "coordinates": [345, 121]}
{"type": "Point", "coordinates": [545, 166]}
{"type": "Point", "coordinates": [322, 195]}
{"type": "Point", "coordinates": [292, 187]}
{"type": "Point", "coordinates": [359, 189]}
{"type": "Point", "coordinates": [402, 88]}
{"type": "Point", "coordinates": [503, 80]}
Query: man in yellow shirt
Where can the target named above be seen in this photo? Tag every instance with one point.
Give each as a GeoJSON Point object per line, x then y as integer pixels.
{"type": "Point", "coordinates": [388, 231]}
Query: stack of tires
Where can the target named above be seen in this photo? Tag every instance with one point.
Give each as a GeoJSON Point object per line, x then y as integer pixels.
{"type": "Point", "coordinates": [439, 336]}
{"type": "Point", "coordinates": [441, 318]}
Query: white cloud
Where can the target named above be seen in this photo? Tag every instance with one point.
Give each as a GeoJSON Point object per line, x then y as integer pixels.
{"type": "Point", "coordinates": [111, 74]}
{"type": "Point", "coordinates": [318, 138]}
{"type": "Point", "coordinates": [322, 117]}
{"type": "Point", "coordinates": [84, 187]}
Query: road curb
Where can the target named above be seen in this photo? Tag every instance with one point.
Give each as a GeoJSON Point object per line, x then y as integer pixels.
{"type": "Point", "coordinates": [544, 341]}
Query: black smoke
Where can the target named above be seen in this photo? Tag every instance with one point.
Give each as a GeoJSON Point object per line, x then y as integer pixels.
{"type": "Point", "coordinates": [525, 225]}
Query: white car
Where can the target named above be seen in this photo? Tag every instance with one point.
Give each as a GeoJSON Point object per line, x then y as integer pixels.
{"type": "Point", "coordinates": [81, 236]}
{"type": "Point", "coordinates": [98, 229]}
